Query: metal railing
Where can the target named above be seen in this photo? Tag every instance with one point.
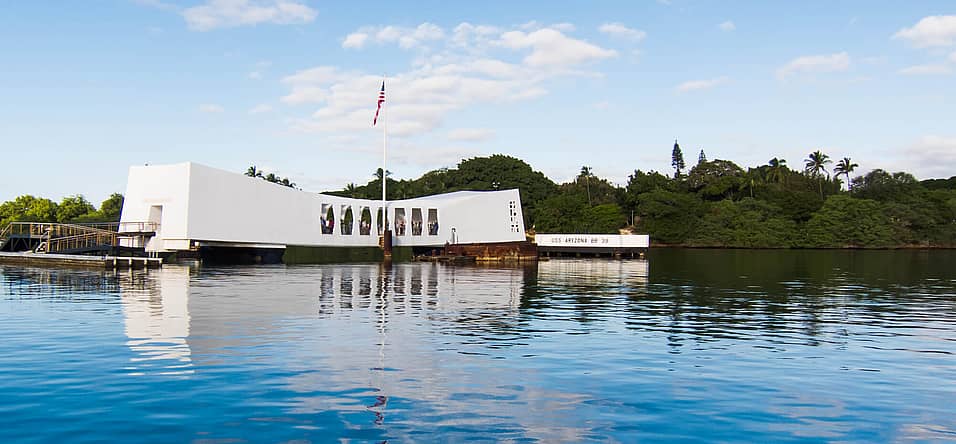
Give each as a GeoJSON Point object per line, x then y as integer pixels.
{"type": "Point", "coordinates": [60, 237]}
{"type": "Point", "coordinates": [137, 227]}
{"type": "Point", "coordinates": [79, 242]}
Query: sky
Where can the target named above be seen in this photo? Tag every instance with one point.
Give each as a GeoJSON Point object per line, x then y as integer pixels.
{"type": "Point", "coordinates": [88, 89]}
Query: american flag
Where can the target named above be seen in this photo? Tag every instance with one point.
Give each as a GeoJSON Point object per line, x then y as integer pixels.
{"type": "Point", "coordinates": [381, 100]}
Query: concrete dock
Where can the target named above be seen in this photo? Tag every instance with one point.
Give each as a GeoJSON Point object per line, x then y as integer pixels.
{"type": "Point", "coordinates": [70, 260]}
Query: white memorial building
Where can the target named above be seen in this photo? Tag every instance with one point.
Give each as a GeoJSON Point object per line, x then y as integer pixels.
{"type": "Point", "coordinates": [188, 206]}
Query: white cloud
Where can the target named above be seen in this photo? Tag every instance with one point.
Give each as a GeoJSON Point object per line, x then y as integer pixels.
{"type": "Point", "coordinates": [255, 75]}
{"type": "Point", "coordinates": [930, 156]}
{"type": "Point", "coordinates": [231, 13]}
{"type": "Point", "coordinates": [313, 85]}
{"type": "Point", "coordinates": [261, 108]}
{"type": "Point", "coordinates": [447, 74]}
{"type": "Point", "coordinates": [817, 63]}
{"type": "Point", "coordinates": [355, 40]}
{"type": "Point", "coordinates": [550, 47]}
{"type": "Point", "coordinates": [406, 38]}
{"type": "Point", "coordinates": [474, 37]}
{"type": "Point", "coordinates": [952, 57]}
{"type": "Point", "coordinates": [727, 26]}
{"type": "Point", "coordinates": [929, 69]}
{"type": "Point", "coordinates": [935, 30]}
{"type": "Point", "coordinates": [471, 134]}
{"type": "Point", "coordinates": [619, 30]}
{"type": "Point", "coordinates": [211, 108]}
{"type": "Point", "coordinates": [695, 85]}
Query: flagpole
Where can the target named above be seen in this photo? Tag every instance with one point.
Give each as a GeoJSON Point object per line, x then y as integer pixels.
{"type": "Point", "coordinates": [384, 156]}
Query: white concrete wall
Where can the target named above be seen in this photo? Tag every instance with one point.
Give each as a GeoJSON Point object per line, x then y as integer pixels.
{"type": "Point", "coordinates": [161, 185]}
{"type": "Point", "coordinates": [211, 205]}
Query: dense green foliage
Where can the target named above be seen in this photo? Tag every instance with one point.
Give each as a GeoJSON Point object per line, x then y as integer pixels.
{"type": "Point", "coordinates": [716, 203]}
{"type": "Point", "coordinates": [74, 209]}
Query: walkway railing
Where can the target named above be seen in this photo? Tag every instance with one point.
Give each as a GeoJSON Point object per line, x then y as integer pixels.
{"type": "Point", "coordinates": [56, 237]}
{"type": "Point", "coordinates": [81, 242]}
{"type": "Point", "coordinates": [137, 227]}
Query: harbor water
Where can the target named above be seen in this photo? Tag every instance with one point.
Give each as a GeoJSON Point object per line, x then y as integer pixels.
{"type": "Point", "coordinates": [688, 345]}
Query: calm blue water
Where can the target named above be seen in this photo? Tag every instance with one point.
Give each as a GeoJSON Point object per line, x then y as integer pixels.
{"type": "Point", "coordinates": [752, 346]}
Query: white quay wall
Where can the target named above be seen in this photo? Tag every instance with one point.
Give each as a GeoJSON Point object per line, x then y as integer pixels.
{"type": "Point", "coordinates": [205, 204]}
{"type": "Point", "coordinates": [593, 240]}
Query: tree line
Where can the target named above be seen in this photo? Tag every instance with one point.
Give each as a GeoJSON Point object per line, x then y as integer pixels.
{"type": "Point", "coordinates": [71, 209]}
{"type": "Point", "coordinates": [715, 203]}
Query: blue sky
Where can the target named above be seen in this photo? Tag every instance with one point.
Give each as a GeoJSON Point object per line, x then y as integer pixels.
{"type": "Point", "coordinates": [90, 88]}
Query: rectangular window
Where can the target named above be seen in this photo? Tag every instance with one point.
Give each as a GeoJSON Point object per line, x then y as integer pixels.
{"type": "Point", "coordinates": [416, 221]}
{"type": "Point", "coordinates": [433, 222]}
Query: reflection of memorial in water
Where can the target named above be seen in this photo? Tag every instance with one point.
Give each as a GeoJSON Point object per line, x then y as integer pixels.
{"type": "Point", "coordinates": [588, 273]}
{"type": "Point", "coordinates": [156, 320]}
{"type": "Point", "coordinates": [364, 343]}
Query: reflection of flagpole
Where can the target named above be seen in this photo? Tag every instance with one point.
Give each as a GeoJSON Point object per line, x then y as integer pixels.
{"type": "Point", "coordinates": [381, 401]}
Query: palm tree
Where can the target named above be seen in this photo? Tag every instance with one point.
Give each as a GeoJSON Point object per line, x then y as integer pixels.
{"type": "Point", "coordinates": [586, 172]}
{"type": "Point", "coordinates": [778, 170]}
{"type": "Point", "coordinates": [351, 189]}
{"type": "Point", "coordinates": [286, 182]}
{"type": "Point", "coordinates": [378, 174]}
{"type": "Point", "coordinates": [253, 172]}
{"type": "Point", "coordinates": [845, 167]}
{"type": "Point", "coordinates": [816, 163]}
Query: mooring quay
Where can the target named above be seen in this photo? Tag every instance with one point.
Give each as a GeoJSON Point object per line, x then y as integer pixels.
{"type": "Point", "coordinates": [80, 261]}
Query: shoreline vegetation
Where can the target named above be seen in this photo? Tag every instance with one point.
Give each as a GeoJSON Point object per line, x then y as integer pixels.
{"type": "Point", "coordinates": [713, 204]}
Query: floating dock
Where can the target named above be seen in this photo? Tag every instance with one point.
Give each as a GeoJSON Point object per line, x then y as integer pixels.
{"type": "Point", "coordinates": [71, 260]}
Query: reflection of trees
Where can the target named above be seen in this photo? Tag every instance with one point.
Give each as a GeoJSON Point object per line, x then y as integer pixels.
{"type": "Point", "coordinates": [708, 295]}
{"type": "Point", "coordinates": [785, 296]}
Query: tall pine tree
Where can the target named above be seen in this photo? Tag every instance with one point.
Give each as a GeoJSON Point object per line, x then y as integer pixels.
{"type": "Point", "coordinates": [677, 160]}
{"type": "Point", "coordinates": [702, 157]}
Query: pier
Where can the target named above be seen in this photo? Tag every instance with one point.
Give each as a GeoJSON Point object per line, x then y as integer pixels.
{"type": "Point", "coordinates": [79, 261]}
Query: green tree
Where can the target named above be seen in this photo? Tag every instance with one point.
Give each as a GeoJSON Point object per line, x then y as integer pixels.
{"type": "Point", "coordinates": [702, 157]}
{"type": "Point", "coordinates": [883, 186]}
{"type": "Point", "coordinates": [748, 223]}
{"type": "Point", "coordinates": [778, 171]}
{"type": "Point", "coordinates": [252, 171]}
{"type": "Point", "coordinates": [669, 217]}
{"type": "Point", "coordinates": [677, 159]}
{"type": "Point", "coordinates": [716, 180]}
{"type": "Point", "coordinates": [844, 221]}
{"type": "Point", "coordinates": [72, 207]}
{"type": "Point", "coordinates": [586, 174]}
{"type": "Point", "coordinates": [604, 219]}
{"type": "Point", "coordinates": [112, 207]}
{"type": "Point", "coordinates": [816, 164]}
{"type": "Point", "coordinates": [27, 208]}
{"type": "Point", "coordinates": [845, 167]}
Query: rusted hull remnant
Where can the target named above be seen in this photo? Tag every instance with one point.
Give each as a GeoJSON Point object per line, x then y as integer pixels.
{"type": "Point", "coordinates": [494, 251]}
